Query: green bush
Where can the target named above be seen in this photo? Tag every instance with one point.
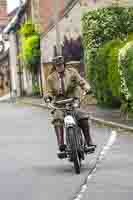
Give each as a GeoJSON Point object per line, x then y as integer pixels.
{"type": "Point", "coordinates": [103, 72]}
{"type": "Point", "coordinates": [126, 74]}
{"type": "Point", "coordinates": [102, 25]}
{"type": "Point", "coordinates": [104, 32]}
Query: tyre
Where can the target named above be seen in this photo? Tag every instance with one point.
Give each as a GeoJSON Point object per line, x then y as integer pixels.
{"type": "Point", "coordinates": [74, 145]}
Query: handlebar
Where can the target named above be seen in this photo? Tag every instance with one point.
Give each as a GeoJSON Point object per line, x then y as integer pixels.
{"type": "Point", "coordinates": [51, 106]}
{"type": "Point", "coordinates": [62, 102]}
{"type": "Point", "coordinates": [65, 101]}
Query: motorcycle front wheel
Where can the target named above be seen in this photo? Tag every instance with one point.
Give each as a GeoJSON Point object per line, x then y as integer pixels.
{"type": "Point", "coordinates": [74, 145]}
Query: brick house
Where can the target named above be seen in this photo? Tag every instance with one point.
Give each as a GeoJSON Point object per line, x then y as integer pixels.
{"type": "Point", "coordinates": [3, 14]}
{"type": "Point", "coordinates": [69, 25]}
{"type": "Point", "coordinates": [42, 12]}
{"type": "Point", "coordinates": [4, 61]}
{"type": "Point", "coordinates": [43, 15]}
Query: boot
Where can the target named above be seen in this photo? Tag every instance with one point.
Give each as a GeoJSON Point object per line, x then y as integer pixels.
{"type": "Point", "coordinates": [84, 125]}
{"type": "Point", "coordinates": [59, 130]}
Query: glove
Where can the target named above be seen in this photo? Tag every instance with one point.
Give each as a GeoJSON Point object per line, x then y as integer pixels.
{"type": "Point", "coordinates": [130, 100]}
{"type": "Point", "coordinates": [47, 99]}
{"type": "Point", "coordinates": [89, 92]}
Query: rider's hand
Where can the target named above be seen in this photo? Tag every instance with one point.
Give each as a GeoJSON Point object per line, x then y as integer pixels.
{"type": "Point", "coordinates": [130, 100]}
{"type": "Point", "coordinates": [88, 92]}
{"type": "Point", "coordinates": [47, 99]}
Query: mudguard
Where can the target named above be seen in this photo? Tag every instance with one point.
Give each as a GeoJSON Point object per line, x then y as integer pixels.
{"type": "Point", "coordinates": [69, 121]}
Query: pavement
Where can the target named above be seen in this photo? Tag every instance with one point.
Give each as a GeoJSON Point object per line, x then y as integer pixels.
{"type": "Point", "coordinates": [30, 170]}
{"type": "Point", "coordinates": [5, 97]}
{"type": "Point", "coordinates": [111, 115]}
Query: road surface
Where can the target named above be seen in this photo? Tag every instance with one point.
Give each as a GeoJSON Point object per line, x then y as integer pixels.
{"type": "Point", "coordinates": [30, 170]}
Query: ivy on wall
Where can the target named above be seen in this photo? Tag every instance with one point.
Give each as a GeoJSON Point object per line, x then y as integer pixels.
{"type": "Point", "coordinates": [30, 53]}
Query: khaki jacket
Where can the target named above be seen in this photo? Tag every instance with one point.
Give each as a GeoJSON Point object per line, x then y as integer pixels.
{"type": "Point", "coordinates": [72, 81]}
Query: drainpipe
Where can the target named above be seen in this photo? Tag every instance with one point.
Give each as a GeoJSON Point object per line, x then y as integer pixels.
{"type": "Point", "coordinates": [13, 62]}
{"type": "Point", "coordinates": [19, 68]}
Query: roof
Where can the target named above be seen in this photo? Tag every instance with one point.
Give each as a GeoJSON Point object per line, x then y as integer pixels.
{"type": "Point", "coordinates": [12, 25]}
{"type": "Point", "coordinates": [68, 7]}
{"type": "Point", "coordinates": [13, 12]}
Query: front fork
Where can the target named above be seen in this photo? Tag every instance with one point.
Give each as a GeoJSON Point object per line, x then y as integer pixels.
{"type": "Point", "coordinates": [81, 144]}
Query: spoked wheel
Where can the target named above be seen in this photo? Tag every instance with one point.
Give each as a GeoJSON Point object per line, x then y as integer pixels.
{"type": "Point", "coordinates": [74, 144]}
{"type": "Point", "coordinates": [77, 162]}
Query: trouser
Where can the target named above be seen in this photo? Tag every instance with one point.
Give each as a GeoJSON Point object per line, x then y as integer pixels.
{"type": "Point", "coordinates": [85, 127]}
{"type": "Point", "coordinates": [83, 123]}
{"type": "Point", "coordinates": [59, 130]}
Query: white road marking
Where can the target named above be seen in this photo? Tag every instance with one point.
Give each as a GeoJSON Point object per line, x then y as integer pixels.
{"type": "Point", "coordinates": [99, 158]}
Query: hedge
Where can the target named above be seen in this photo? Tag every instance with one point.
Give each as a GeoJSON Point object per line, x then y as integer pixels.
{"type": "Point", "coordinates": [104, 32]}
{"type": "Point", "coordinates": [102, 25]}
{"type": "Point", "coordinates": [126, 75]}
{"type": "Point", "coordinates": [103, 73]}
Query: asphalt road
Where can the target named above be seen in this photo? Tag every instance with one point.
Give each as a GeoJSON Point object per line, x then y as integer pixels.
{"type": "Point", "coordinates": [30, 170]}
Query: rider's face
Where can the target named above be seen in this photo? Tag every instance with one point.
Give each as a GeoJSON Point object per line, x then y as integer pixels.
{"type": "Point", "coordinates": [60, 68]}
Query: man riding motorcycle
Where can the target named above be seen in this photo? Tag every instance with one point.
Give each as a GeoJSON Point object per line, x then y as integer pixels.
{"type": "Point", "coordinates": [63, 83]}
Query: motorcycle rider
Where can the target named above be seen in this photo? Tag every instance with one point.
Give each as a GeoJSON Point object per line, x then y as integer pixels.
{"type": "Point", "coordinates": [63, 83]}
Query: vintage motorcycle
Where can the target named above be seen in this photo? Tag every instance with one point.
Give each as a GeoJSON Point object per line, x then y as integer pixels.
{"type": "Point", "coordinates": [75, 142]}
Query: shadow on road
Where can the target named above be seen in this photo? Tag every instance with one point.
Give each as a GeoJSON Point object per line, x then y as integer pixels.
{"type": "Point", "coordinates": [60, 169]}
